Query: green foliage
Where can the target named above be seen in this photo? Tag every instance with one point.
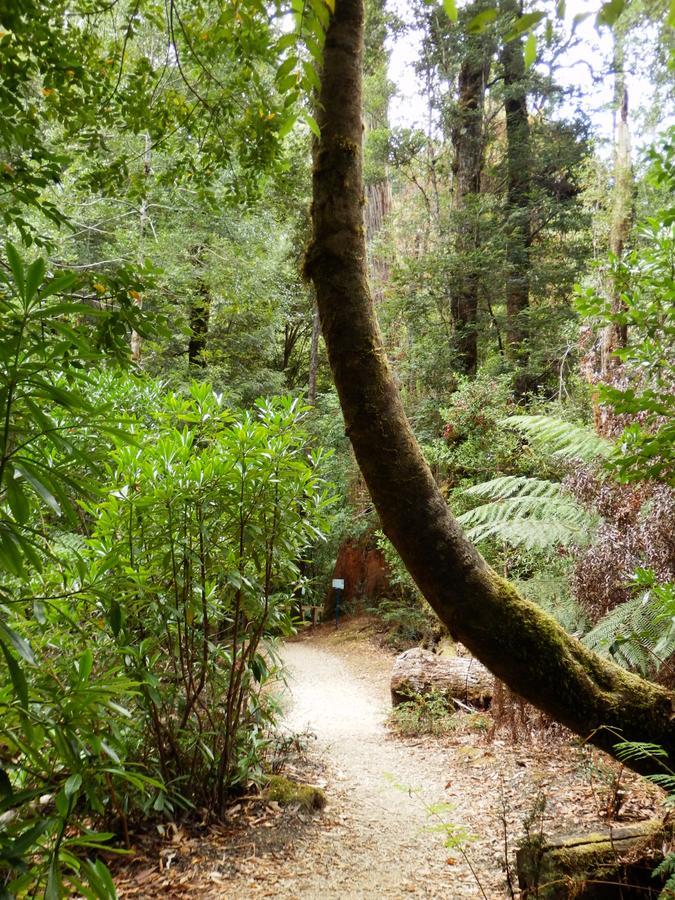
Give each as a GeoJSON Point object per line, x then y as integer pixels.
{"type": "Point", "coordinates": [429, 713]}
{"type": "Point", "coordinates": [646, 391]}
{"type": "Point", "coordinates": [561, 439]}
{"type": "Point", "coordinates": [527, 512]}
{"type": "Point", "coordinates": [56, 698]}
{"type": "Point", "coordinates": [639, 633]}
{"type": "Point", "coordinates": [195, 556]}
{"type": "Point", "coordinates": [635, 750]}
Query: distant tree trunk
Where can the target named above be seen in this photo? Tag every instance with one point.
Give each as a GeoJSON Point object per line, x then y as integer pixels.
{"type": "Point", "coordinates": [518, 159]}
{"type": "Point", "coordinates": [314, 358]}
{"type": "Point", "coordinates": [615, 335]}
{"type": "Point", "coordinates": [199, 315]}
{"type": "Point", "coordinates": [144, 220]}
{"type": "Point", "coordinates": [467, 142]}
{"type": "Point", "coordinates": [511, 636]}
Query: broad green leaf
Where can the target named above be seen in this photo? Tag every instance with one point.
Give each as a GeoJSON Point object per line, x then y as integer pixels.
{"type": "Point", "coordinates": [530, 50]}
{"type": "Point", "coordinates": [450, 7]}
{"type": "Point", "coordinates": [72, 785]}
{"type": "Point", "coordinates": [523, 24]}
{"type": "Point", "coordinates": [21, 645]}
{"type": "Point", "coordinates": [85, 665]}
{"type": "Point", "coordinates": [18, 678]}
{"type": "Point", "coordinates": [286, 68]}
{"type": "Point", "coordinates": [482, 20]}
{"type": "Point", "coordinates": [610, 12]}
{"type": "Point", "coordinates": [311, 121]}
{"type": "Point", "coordinates": [16, 266]}
{"type": "Point", "coordinates": [40, 488]}
{"type": "Point", "coordinates": [54, 889]}
{"type": "Point", "coordinates": [34, 277]}
{"type": "Point", "coordinates": [60, 284]}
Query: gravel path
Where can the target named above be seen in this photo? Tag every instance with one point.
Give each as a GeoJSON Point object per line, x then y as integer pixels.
{"type": "Point", "coordinates": [380, 791]}
{"type": "Point", "coordinates": [375, 838]}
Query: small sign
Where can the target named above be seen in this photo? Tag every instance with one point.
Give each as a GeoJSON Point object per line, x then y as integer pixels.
{"type": "Point", "coordinates": [339, 583]}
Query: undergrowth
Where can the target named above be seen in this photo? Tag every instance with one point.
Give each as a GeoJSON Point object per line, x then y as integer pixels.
{"type": "Point", "coordinates": [430, 714]}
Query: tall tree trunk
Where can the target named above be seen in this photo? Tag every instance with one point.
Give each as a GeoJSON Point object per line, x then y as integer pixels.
{"type": "Point", "coordinates": [314, 358]}
{"type": "Point", "coordinates": [467, 142]}
{"type": "Point", "coordinates": [144, 220]}
{"type": "Point", "coordinates": [199, 315]}
{"type": "Point", "coordinates": [518, 159]}
{"type": "Point", "coordinates": [615, 335]}
{"type": "Point", "coordinates": [517, 641]}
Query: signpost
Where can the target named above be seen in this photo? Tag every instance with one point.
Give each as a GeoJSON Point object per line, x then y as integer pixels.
{"type": "Point", "coordinates": [338, 588]}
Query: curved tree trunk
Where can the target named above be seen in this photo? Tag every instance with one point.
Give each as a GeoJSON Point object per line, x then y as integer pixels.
{"type": "Point", "coordinates": [517, 641]}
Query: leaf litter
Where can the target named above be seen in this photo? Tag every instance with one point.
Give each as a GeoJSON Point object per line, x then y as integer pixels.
{"type": "Point", "coordinates": [393, 804]}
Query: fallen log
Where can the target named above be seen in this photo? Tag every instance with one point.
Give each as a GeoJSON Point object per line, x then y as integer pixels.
{"type": "Point", "coordinates": [462, 678]}
{"type": "Point", "coordinates": [617, 862]}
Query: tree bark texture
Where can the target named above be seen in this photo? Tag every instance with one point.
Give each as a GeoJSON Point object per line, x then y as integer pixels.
{"type": "Point", "coordinates": [199, 315]}
{"type": "Point", "coordinates": [136, 341]}
{"type": "Point", "coordinates": [419, 671]}
{"type": "Point", "coordinates": [314, 358]}
{"type": "Point", "coordinates": [467, 167]}
{"type": "Point", "coordinates": [510, 635]}
{"type": "Point", "coordinates": [615, 335]}
{"type": "Point", "coordinates": [518, 161]}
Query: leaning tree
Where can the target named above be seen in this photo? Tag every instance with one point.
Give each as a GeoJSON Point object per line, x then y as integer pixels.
{"type": "Point", "coordinates": [516, 640]}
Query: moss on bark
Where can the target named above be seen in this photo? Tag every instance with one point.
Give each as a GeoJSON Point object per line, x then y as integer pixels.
{"type": "Point", "coordinates": [511, 636]}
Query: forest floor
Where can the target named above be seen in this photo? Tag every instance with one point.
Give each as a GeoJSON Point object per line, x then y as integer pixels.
{"type": "Point", "coordinates": [382, 833]}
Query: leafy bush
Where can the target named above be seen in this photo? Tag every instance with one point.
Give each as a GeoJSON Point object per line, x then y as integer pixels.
{"type": "Point", "coordinates": [62, 758]}
{"type": "Point", "coordinates": [195, 556]}
{"type": "Point", "coordinates": [136, 631]}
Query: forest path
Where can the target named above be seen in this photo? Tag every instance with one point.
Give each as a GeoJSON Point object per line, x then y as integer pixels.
{"type": "Point", "coordinates": [380, 790]}
{"type": "Point", "coordinates": [372, 840]}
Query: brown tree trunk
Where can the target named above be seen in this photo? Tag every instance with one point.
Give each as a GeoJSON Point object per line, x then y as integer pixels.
{"type": "Point", "coordinates": [144, 220]}
{"type": "Point", "coordinates": [314, 358]}
{"type": "Point", "coordinates": [517, 641]}
{"type": "Point", "coordinates": [615, 335]}
{"type": "Point", "coordinates": [518, 159]}
{"type": "Point", "coordinates": [421, 672]}
{"type": "Point", "coordinates": [199, 314]}
{"type": "Point", "coordinates": [467, 142]}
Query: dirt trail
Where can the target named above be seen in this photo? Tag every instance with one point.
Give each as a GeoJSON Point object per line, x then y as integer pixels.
{"type": "Point", "coordinates": [373, 839]}
{"type": "Point", "coordinates": [382, 846]}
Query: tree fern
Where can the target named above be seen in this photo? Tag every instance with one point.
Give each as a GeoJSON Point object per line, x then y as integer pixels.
{"type": "Point", "coordinates": [527, 512]}
{"type": "Point", "coordinates": [562, 439]}
{"type": "Point", "coordinates": [639, 633]}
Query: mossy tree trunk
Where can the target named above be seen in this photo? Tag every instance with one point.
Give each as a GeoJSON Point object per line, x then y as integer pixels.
{"type": "Point", "coordinates": [518, 166]}
{"type": "Point", "coordinates": [511, 636]}
{"type": "Point", "coordinates": [615, 335]}
{"type": "Point", "coordinates": [467, 167]}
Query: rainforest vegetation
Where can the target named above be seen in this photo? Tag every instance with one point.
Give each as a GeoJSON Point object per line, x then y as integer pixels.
{"type": "Point", "coordinates": [267, 297]}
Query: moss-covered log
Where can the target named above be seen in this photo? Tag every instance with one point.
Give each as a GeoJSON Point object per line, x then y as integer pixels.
{"type": "Point", "coordinates": [617, 862]}
{"type": "Point", "coordinates": [511, 636]}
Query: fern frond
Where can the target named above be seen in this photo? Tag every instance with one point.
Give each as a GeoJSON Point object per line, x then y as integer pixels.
{"type": "Point", "coordinates": [563, 439]}
{"type": "Point", "coordinates": [639, 750]}
{"type": "Point", "coordinates": [630, 634]}
{"type": "Point", "coordinates": [532, 534]}
{"type": "Point", "coordinates": [514, 486]}
{"type": "Point", "coordinates": [527, 512]}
